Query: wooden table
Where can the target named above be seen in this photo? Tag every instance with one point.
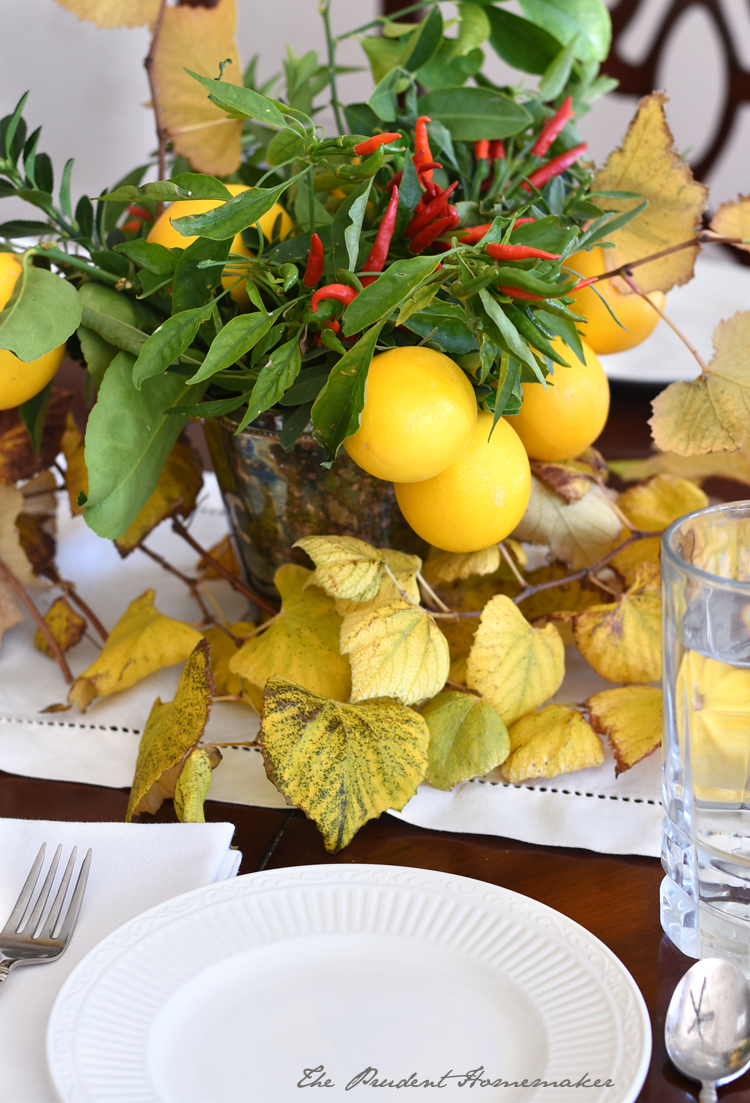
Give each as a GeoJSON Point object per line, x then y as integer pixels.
{"type": "Point", "coordinates": [616, 898]}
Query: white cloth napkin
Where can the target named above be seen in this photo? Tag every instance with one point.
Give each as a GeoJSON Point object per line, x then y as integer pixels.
{"type": "Point", "coordinates": [133, 867]}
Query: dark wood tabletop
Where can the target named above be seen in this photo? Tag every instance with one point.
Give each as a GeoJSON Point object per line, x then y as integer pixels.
{"type": "Point", "coordinates": [614, 897]}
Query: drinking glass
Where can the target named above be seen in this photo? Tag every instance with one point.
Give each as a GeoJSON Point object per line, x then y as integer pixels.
{"type": "Point", "coordinates": [705, 896]}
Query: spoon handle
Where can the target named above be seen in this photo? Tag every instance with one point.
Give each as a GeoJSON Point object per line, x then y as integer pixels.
{"type": "Point", "coordinates": [708, 1094]}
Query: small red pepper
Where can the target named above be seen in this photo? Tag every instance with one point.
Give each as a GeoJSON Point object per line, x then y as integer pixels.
{"type": "Point", "coordinates": [522, 221]}
{"type": "Point", "coordinates": [314, 269]}
{"type": "Point", "coordinates": [428, 166]}
{"type": "Point", "coordinates": [585, 283]}
{"type": "Point", "coordinates": [369, 146]}
{"type": "Point", "coordinates": [482, 150]}
{"type": "Point", "coordinates": [554, 167]}
{"type": "Point", "coordinates": [434, 230]}
{"type": "Point", "coordinates": [332, 324]}
{"type": "Point", "coordinates": [395, 180]}
{"type": "Point", "coordinates": [338, 291]}
{"type": "Point", "coordinates": [552, 127]}
{"type": "Point", "coordinates": [518, 252]}
{"type": "Point", "coordinates": [473, 234]}
{"type": "Point", "coordinates": [140, 212]}
{"type": "Point", "coordinates": [422, 152]}
{"type": "Point", "coordinates": [379, 252]}
{"type": "Point", "coordinates": [435, 208]}
{"type": "Point", "coordinates": [497, 150]}
{"type": "Point", "coordinates": [519, 293]}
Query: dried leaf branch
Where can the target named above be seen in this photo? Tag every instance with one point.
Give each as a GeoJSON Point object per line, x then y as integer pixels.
{"type": "Point", "coordinates": [10, 578]}
{"type": "Point", "coordinates": [236, 583]}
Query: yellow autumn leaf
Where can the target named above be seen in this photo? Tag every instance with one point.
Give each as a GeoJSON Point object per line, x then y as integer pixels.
{"type": "Point", "coordinates": [515, 666]}
{"type": "Point", "coordinates": [571, 479]}
{"type": "Point", "coordinates": [176, 492]}
{"type": "Point", "coordinates": [199, 39]}
{"type": "Point", "coordinates": [171, 730]}
{"type": "Point", "coordinates": [651, 507]}
{"type": "Point", "coordinates": [191, 787]}
{"type": "Point", "coordinates": [345, 567]}
{"type": "Point", "coordinates": [621, 640]}
{"type": "Point", "coordinates": [723, 465]}
{"type": "Point", "coordinates": [733, 220]}
{"type": "Point", "coordinates": [649, 165]}
{"type": "Point", "coordinates": [631, 718]}
{"type": "Point", "coordinates": [64, 623]}
{"type": "Point", "coordinates": [443, 566]}
{"type": "Point", "coordinates": [225, 554]}
{"type": "Point", "coordinates": [467, 738]}
{"type": "Point", "coordinates": [114, 13]}
{"type": "Point", "coordinates": [556, 740]}
{"type": "Point", "coordinates": [143, 641]}
{"type": "Point", "coordinates": [579, 533]}
{"type": "Point", "coordinates": [223, 648]}
{"type": "Point", "coordinates": [396, 650]}
{"type": "Point", "coordinates": [341, 764]}
{"type": "Point", "coordinates": [712, 412]}
{"type": "Point", "coordinates": [301, 643]}
{"type": "Point", "coordinates": [716, 696]}
{"type": "Point", "coordinates": [404, 569]}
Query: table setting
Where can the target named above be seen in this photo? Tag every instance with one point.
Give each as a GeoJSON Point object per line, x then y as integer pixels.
{"type": "Point", "coordinates": [370, 717]}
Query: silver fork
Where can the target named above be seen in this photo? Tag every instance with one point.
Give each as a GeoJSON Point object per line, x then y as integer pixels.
{"type": "Point", "coordinates": [30, 943]}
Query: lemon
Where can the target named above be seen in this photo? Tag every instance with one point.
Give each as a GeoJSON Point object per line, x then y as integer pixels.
{"type": "Point", "coordinates": [476, 501]}
{"type": "Point", "coordinates": [419, 412]}
{"type": "Point", "coordinates": [560, 422]}
{"type": "Point", "coordinates": [20, 381]}
{"type": "Point", "coordinates": [601, 331]}
{"type": "Point", "coordinates": [163, 233]}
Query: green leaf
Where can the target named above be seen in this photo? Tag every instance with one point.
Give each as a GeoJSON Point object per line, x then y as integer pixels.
{"type": "Point", "coordinates": [385, 57]}
{"type": "Point", "coordinates": [474, 28]}
{"type": "Point", "coordinates": [167, 191]}
{"type": "Point", "coordinates": [448, 320]}
{"type": "Point", "coordinates": [380, 298]}
{"type": "Point", "coordinates": [360, 118]}
{"type": "Point", "coordinates": [109, 214]}
{"type": "Point", "coordinates": [110, 321]}
{"type": "Point", "coordinates": [336, 410]}
{"type": "Point", "coordinates": [566, 19]}
{"type": "Point", "coordinates": [423, 44]}
{"type": "Point", "coordinates": [128, 439]}
{"type": "Point", "coordinates": [509, 333]}
{"type": "Point", "coordinates": [342, 764]}
{"type": "Point", "coordinates": [33, 413]}
{"type": "Point", "coordinates": [274, 379]}
{"type": "Point", "coordinates": [211, 409]}
{"type": "Point", "coordinates": [467, 738]}
{"type": "Point", "coordinates": [473, 113]}
{"type": "Point", "coordinates": [193, 286]}
{"type": "Point", "coordinates": [20, 227]}
{"type": "Point", "coordinates": [97, 353]}
{"type": "Point", "coordinates": [14, 131]}
{"type": "Point", "coordinates": [239, 213]}
{"type": "Point", "coordinates": [447, 69]}
{"type": "Point", "coordinates": [565, 328]}
{"type": "Point", "coordinates": [284, 145]}
{"type": "Point", "coordinates": [43, 311]}
{"type": "Point", "coordinates": [520, 43]}
{"type": "Point", "coordinates": [241, 102]}
{"type": "Point", "coordinates": [383, 100]}
{"type": "Point", "coordinates": [238, 336]}
{"type": "Point", "coordinates": [347, 227]}
{"type": "Point", "coordinates": [155, 258]}
{"type": "Point", "coordinates": [409, 194]}
{"type": "Point", "coordinates": [170, 340]}
{"type": "Point", "coordinates": [557, 72]}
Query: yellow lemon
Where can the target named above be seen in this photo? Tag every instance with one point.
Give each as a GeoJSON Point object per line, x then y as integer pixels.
{"type": "Point", "coordinates": [20, 381]}
{"type": "Point", "coordinates": [419, 412]}
{"type": "Point", "coordinates": [560, 422]}
{"type": "Point", "coordinates": [163, 233]}
{"type": "Point", "coordinates": [602, 331]}
{"type": "Point", "coordinates": [476, 501]}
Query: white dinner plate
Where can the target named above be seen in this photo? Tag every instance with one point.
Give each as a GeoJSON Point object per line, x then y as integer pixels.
{"type": "Point", "coordinates": [240, 990]}
{"type": "Point", "coordinates": [719, 290]}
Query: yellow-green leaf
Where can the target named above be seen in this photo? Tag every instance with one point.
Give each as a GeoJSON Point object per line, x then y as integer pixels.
{"type": "Point", "coordinates": [556, 740]}
{"type": "Point", "coordinates": [143, 641]}
{"type": "Point", "coordinates": [652, 506]}
{"type": "Point", "coordinates": [301, 643]}
{"type": "Point", "coordinates": [404, 569]}
{"type": "Point", "coordinates": [396, 650]}
{"type": "Point", "coordinates": [66, 626]}
{"type": "Point", "coordinates": [516, 667]}
{"type": "Point", "coordinates": [114, 13]}
{"type": "Point", "coordinates": [446, 566]}
{"type": "Point", "coordinates": [192, 785]}
{"type": "Point", "coordinates": [341, 764]}
{"type": "Point", "coordinates": [579, 533]}
{"type": "Point", "coordinates": [733, 220]}
{"type": "Point", "coordinates": [631, 718]}
{"type": "Point", "coordinates": [176, 492]}
{"type": "Point", "coordinates": [223, 648]}
{"type": "Point", "coordinates": [171, 730]}
{"type": "Point", "coordinates": [467, 738]}
{"type": "Point", "coordinates": [622, 640]}
{"type": "Point", "coordinates": [344, 566]}
{"type": "Point", "coordinates": [649, 165]}
{"type": "Point", "coordinates": [724, 465]}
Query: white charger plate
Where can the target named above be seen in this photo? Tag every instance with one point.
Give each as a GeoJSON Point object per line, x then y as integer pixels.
{"type": "Point", "coordinates": [719, 290]}
{"type": "Point", "coordinates": [229, 993]}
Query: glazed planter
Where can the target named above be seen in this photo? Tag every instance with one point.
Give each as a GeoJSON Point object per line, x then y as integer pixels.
{"type": "Point", "coordinates": [274, 498]}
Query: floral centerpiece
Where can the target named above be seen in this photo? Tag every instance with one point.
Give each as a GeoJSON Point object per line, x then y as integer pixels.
{"type": "Point", "coordinates": [427, 289]}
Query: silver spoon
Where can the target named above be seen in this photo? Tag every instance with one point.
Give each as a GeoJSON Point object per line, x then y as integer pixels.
{"type": "Point", "coordinates": [707, 1030]}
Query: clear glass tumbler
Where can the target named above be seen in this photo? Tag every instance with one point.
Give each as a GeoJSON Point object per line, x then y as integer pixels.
{"type": "Point", "coordinates": [705, 896]}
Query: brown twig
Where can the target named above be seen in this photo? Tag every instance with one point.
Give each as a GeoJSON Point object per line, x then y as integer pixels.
{"type": "Point", "coordinates": [72, 593]}
{"type": "Point", "coordinates": [7, 574]}
{"type": "Point", "coordinates": [193, 585]}
{"type": "Point", "coordinates": [236, 583]}
{"type": "Point", "coordinates": [706, 237]}
{"type": "Point", "coordinates": [627, 276]}
{"type": "Point", "coordinates": [161, 131]}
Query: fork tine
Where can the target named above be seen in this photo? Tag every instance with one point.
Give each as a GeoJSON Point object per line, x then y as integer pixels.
{"type": "Point", "coordinates": [69, 921]}
{"type": "Point", "coordinates": [51, 920]}
{"type": "Point", "coordinates": [16, 915]}
{"type": "Point", "coordinates": [41, 901]}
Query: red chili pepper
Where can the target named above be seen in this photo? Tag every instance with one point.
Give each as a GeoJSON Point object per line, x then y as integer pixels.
{"type": "Point", "coordinates": [332, 324]}
{"type": "Point", "coordinates": [434, 230]}
{"type": "Point", "coordinates": [132, 224]}
{"type": "Point", "coordinates": [473, 234]}
{"type": "Point", "coordinates": [552, 127]}
{"type": "Point", "coordinates": [422, 152]}
{"type": "Point", "coordinates": [497, 150]}
{"type": "Point", "coordinates": [554, 167]}
{"type": "Point", "coordinates": [482, 150]}
{"type": "Point", "coordinates": [519, 252]}
{"type": "Point", "coordinates": [519, 293]}
{"type": "Point", "coordinates": [395, 180]}
{"type": "Point", "coordinates": [433, 209]}
{"type": "Point", "coordinates": [338, 291]}
{"type": "Point", "coordinates": [314, 269]}
{"type": "Point", "coordinates": [369, 146]}
{"type": "Point", "coordinates": [379, 252]}
{"type": "Point", "coordinates": [428, 166]}
{"type": "Point", "coordinates": [141, 213]}
{"type": "Point", "coordinates": [585, 283]}
{"type": "Point", "coordinates": [523, 221]}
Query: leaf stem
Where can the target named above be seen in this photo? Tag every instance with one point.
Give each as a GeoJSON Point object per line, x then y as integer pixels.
{"type": "Point", "coordinates": [706, 237]}
{"type": "Point", "coordinates": [7, 574]}
{"type": "Point", "coordinates": [331, 43]}
{"type": "Point", "coordinates": [509, 560]}
{"type": "Point", "coordinates": [236, 583]}
{"type": "Point", "coordinates": [394, 580]}
{"type": "Point", "coordinates": [431, 593]}
{"type": "Point", "coordinates": [627, 276]}
{"type": "Point", "coordinates": [70, 591]}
